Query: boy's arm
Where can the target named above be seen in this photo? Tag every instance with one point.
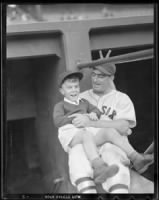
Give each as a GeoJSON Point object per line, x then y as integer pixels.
{"type": "Point", "coordinates": [60, 119]}
{"type": "Point", "coordinates": [92, 108]}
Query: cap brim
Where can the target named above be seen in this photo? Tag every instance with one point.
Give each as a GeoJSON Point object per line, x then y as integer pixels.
{"type": "Point", "coordinates": [67, 75]}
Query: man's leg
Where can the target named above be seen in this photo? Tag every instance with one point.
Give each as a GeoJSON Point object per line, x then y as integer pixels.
{"type": "Point", "coordinates": [120, 183]}
{"type": "Point", "coordinates": [80, 170]}
{"type": "Point", "coordinates": [138, 184]}
{"type": "Point", "coordinates": [81, 173]}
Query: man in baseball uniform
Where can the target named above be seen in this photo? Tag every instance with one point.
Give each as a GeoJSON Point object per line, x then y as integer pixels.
{"type": "Point", "coordinates": [117, 114]}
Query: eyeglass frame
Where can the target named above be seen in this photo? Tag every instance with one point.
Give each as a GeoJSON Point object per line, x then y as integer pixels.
{"type": "Point", "coordinates": [99, 76]}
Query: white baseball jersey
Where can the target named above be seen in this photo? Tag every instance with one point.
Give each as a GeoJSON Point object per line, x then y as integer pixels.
{"type": "Point", "coordinates": [114, 105]}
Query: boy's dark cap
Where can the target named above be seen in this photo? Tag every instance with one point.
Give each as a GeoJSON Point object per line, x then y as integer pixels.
{"type": "Point", "coordinates": [66, 74]}
{"type": "Point", "coordinates": [108, 69]}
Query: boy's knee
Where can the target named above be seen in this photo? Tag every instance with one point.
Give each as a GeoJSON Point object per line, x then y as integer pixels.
{"type": "Point", "coordinates": [111, 130]}
{"type": "Point", "coordinates": [77, 139]}
{"type": "Point", "coordinates": [108, 134]}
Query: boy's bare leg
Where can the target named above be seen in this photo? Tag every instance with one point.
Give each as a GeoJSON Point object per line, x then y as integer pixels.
{"type": "Point", "coordinates": [111, 135]}
{"type": "Point", "coordinates": [140, 161]}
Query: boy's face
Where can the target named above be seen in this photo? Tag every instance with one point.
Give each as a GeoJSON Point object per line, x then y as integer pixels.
{"type": "Point", "coordinates": [70, 89]}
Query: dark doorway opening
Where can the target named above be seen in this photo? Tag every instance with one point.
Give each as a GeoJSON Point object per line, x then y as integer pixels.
{"type": "Point", "coordinates": [23, 172]}
{"type": "Point", "coordinates": [32, 148]}
{"type": "Point", "coordinates": [28, 82]}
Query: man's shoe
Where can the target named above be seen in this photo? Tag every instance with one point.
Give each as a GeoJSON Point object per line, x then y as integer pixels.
{"type": "Point", "coordinates": [141, 162]}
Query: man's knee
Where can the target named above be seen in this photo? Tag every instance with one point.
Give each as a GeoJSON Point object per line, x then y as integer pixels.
{"type": "Point", "coordinates": [77, 139]}
{"type": "Point", "coordinates": [112, 153]}
{"type": "Point", "coordinates": [76, 151]}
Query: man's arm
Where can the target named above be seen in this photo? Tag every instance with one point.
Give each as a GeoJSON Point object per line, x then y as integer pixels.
{"type": "Point", "coordinates": [83, 121]}
{"type": "Point", "coordinates": [120, 125]}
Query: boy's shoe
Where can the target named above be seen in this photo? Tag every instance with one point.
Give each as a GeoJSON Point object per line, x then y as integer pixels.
{"type": "Point", "coordinates": [102, 171]}
{"type": "Point", "coordinates": [141, 162]}
{"type": "Point", "coordinates": [125, 161]}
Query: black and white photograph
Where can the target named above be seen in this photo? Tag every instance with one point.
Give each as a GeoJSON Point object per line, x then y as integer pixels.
{"type": "Point", "coordinates": [79, 101]}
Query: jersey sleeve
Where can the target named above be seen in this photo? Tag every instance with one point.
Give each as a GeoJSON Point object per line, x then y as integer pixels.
{"type": "Point", "coordinates": [59, 116]}
{"type": "Point", "coordinates": [125, 110]}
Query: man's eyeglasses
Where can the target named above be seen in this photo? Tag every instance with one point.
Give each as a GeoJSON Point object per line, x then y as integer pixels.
{"type": "Point", "coordinates": [100, 76]}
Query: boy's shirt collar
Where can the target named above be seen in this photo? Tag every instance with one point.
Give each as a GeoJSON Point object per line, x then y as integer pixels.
{"type": "Point", "coordinates": [72, 102]}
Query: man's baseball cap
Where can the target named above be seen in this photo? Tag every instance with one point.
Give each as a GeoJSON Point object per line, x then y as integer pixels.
{"type": "Point", "coordinates": [66, 74]}
{"type": "Point", "coordinates": [108, 69]}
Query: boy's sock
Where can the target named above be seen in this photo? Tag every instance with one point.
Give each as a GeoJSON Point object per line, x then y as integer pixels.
{"type": "Point", "coordinates": [141, 161]}
{"type": "Point", "coordinates": [102, 171]}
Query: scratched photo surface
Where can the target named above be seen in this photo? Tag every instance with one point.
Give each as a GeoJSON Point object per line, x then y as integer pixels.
{"type": "Point", "coordinates": [44, 40]}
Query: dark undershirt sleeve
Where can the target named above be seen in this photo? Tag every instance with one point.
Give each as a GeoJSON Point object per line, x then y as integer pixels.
{"type": "Point", "coordinates": [59, 116]}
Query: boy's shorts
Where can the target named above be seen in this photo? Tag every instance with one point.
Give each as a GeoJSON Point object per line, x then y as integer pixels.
{"type": "Point", "coordinates": [66, 134]}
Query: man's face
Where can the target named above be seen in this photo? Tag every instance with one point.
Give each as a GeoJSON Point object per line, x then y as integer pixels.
{"type": "Point", "coordinates": [99, 81]}
{"type": "Point", "coordinates": [70, 89]}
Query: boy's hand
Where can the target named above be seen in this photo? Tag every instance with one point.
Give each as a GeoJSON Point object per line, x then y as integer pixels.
{"type": "Point", "coordinates": [126, 133]}
{"type": "Point", "coordinates": [93, 116]}
{"type": "Point", "coordinates": [80, 120]}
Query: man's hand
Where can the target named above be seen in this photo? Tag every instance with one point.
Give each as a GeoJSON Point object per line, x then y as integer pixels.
{"type": "Point", "coordinates": [80, 120]}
